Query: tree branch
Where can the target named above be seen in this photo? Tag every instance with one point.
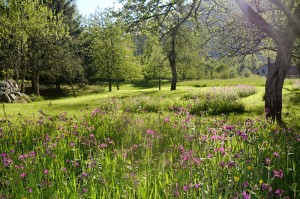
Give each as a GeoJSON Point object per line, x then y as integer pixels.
{"type": "Point", "coordinates": [259, 21]}
{"type": "Point", "coordinates": [286, 10]}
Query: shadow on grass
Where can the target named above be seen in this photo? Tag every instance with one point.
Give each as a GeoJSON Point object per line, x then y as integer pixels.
{"type": "Point", "coordinates": [52, 93]}
{"type": "Point", "coordinates": [147, 84]}
{"type": "Point", "coordinates": [295, 98]}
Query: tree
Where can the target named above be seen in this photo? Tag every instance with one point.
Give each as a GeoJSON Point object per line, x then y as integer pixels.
{"type": "Point", "coordinates": [112, 50]}
{"type": "Point", "coordinates": [163, 18]}
{"type": "Point", "coordinates": [30, 31]}
{"type": "Point", "coordinates": [283, 29]}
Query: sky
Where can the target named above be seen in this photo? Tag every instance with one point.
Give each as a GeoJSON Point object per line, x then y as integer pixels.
{"type": "Point", "coordinates": [87, 7]}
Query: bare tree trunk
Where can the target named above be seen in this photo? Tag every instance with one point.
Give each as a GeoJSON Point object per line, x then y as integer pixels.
{"type": "Point", "coordinates": [118, 87]}
{"type": "Point", "coordinates": [36, 85]}
{"type": "Point", "coordinates": [110, 85]}
{"type": "Point", "coordinates": [57, 86]}
{"type": "Point", "coordinates": [159, 83]}
{"type": "Point", "coordinates": [275, 80]}
{"type": "Point", "coordinates": [172, 60]}
{"type": "Point", "coordinates": [72, 86]}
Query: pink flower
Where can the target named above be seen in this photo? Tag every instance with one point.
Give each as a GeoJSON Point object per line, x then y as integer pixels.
{"type": "Point", "coordinates": [268, 161]}
{"type": "Point", "coordinates": [84, 174]}
{"type": "Point", "coordinates": [246, 195]}
{"type": "Point", "coordinates": [279, 192]}
{"type": "Point", "coordinates": [185, 188]}
{"type": "Point", "coordinates": [46, 171]}
{"type": "Point", "coordinates": [278, 174]}
{"type": "Point", "coordinates": [276, 154]}
{"type": "Point", "coordinates": [209, 156]}
{"type": "Point", "coordinates": [72, 144]}
{"type": "Point", "coordinates": [23, 175]}
{"type": "Point", "coordinates": [29, 190]}
{"type": "Point", "coordinates": [150, 132]}
{"type": "Point", "coordinates": [102, 146]}
{"type": "Point", "coordinates": [197, 186]}
{"type": "Point", "coordinates": [167, 119]}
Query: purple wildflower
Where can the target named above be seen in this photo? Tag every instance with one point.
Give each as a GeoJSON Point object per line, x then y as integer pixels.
{"type": "Point", "coordinates": [276, 154]}
{"type": "Point", "coordinates": [278, 174]}
{"type": "Point", "coordinates": [46, 171]}
{"type": "Point", "coordinates": [246, 195]}
{"type": "Point", "coordinates": [185, 188]}
{"type": "Point", "coordinates": [279, 192]}
{"type": "Point", "coordinates": [23, 175]}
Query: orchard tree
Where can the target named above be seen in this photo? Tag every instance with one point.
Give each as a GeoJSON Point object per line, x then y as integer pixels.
{"type": "Point", "coordinates": [112, 50]}
{"type": "Point", "coordinates": [280, 21]}
{"type": "Point", "coordinates": [163, 18]}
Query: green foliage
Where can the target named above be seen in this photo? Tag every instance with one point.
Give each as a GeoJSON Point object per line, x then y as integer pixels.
{"type": "Point", "coordinates": [112, 50]}
{"type": "Point", "coordinates": [106, 152]}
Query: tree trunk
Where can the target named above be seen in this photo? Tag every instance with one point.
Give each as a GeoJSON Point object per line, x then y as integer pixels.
{"type": "Point", "coordinates": [72, 86]}
{"type": "Point", "coordinates": [172, 60]}
{"type": "Point", "coordinates": [36, 85]}
{"type": "Point", "coordinates": [275, 80]}
{"type": "Point", "coordinates": [159, 83]}
{"type": "Point", "coordinates": [109, 85]}
{"type": "Point", "coordinates": [118, 87]}
{"type": "Point", "coordinates": [58, 86]}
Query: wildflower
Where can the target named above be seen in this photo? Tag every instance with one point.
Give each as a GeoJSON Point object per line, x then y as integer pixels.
{"type": "Point", "coordinates": [102, 146]}
{"type": "Point", "coordinates": [276, 154]}
{"type": "Point", "coordinates": [268, 161]}
{"type": "Point", "coordinates": [209, 156]}
{"type": "Point", "coordinates": [278, 173]}
{"type": "Point", "coordinates": [29, 190]}
{"type": "Point", "coordinates": [197, 161]}
{"type": "Point", "coordinates": [222, 164]}
{"type": "Point", "coordinates": [185, 188]}
{"type": "Point", "coordinates": [181, 148]}
{"type": "Point", "coordinates": [23, 175]}
{"type": "Point", "coordinates": [167, 119]}
{"type": "Point", "coordinates": [236, 178]}
{"type": "Point", "coordinates": [246, 195]}
{"type": "Point", "coordinates": [84, 174]}
{"type": "Point", "coordinates": [249, 168]}
{"type": "Point", "coordinates": [279, 192]}
{"type": "Point", "coordinates": [7, 161]}
{"type": "Point", "coordinates": [76, 164]}
{"type": "Point", "coordinates": [246, 184]}
{"type": "Point", "coordinates": [92, 136]}
{"type": "Point", "coordinates": [32, 154]}
{"type": "Point", "coordinates": [72, 144]}
{"type": "Point", "coordinates": [150, 132]}
{"type": "Point", "coordinates": [261, 181]}
{"type": "Point", "coordinates": [229, 128]}
{"type": "Point", "coordinates": [84, 190]}
{"type": "Point", "coordinates": [46, 171]}
{"type": "Point", "coordinates": [64, 169]}
{"type": "Point", "coordinates": [197, 186]}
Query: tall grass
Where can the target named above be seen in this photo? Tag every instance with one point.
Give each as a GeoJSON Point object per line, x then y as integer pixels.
{"type": "Point", "coordinates": [109, 152]}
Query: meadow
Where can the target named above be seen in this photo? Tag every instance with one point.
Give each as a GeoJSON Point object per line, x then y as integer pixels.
{"type": "Point", "coordinates": [207, 139]}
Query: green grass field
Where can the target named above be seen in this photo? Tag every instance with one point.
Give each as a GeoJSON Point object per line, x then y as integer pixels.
{"type": "Point", "coordinates": [207, 139]}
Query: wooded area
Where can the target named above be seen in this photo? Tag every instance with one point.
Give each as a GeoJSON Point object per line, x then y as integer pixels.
{"type": "Point", "coordinates": [48, 42]}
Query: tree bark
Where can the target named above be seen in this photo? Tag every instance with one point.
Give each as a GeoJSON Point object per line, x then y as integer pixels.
{"type": "Point", "coordinates": [36, 85]}
{"type": "Point", "coordinates": [159, 83]}
{"type": "Point", "coordinates": [285, 44]}
{"type": "Point", "coordinates": [58, 86]}
{"type": "Point", "coordinates": [109, 85]}
{"type": "Point", "coordinates": [72, 86]}
{"type": "Point", "coordinates": [172, 60]}
{"type": "Point", "coordinates": [275, 79]}
{"type": "Point", "coordinates": [118, 87]}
